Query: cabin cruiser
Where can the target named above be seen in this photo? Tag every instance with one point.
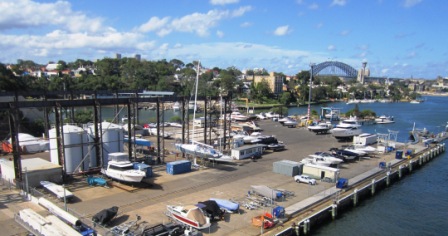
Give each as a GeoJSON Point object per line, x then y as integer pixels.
{"type": "Point", "coordinates": [237, 116]}
{"type": "Point", "coordinates": [320, 128]}
{"type": "Point", "coordinates": [271, 115]}
{"type": "Point", "coordinates": [261, 116]}
{"type": "Point", "coordinates": [189, 215]}
{"type": "Point", "coordinates": [366, 149]}
{"type": "Point", "coordinates": [247, 138]}
{"type": "Point", "coordinates": [316, 161]}
{"type": "Point", "coordinates": [289, 122]}
{"type": "Point", "coordinates": [345, 133]}
{"type": "Point", "coordinates": [350, 122]}
{"type": "Point", "coordinates": [328, 157]}
{"type": "Point", "coordinates": [384, 119]}
{"type": "Point", "coordinates": [123, 171]}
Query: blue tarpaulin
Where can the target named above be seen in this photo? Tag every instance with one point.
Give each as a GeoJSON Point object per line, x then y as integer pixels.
{"type": "Point", "coordinates": [139, 142]}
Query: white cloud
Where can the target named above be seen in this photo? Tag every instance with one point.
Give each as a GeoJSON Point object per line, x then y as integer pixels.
{"type": "Point", "coordinates": [246, 24]}
{"type": "Point", "coordinates": [345, 32]}
{"type": "Point", "coordinates": [154, 23]}
{"type": "Point", "coordinates": [282, 30]}
{"type": "Point", "coordinates": [219, 33]}
{"type": "Point", "coordinates": [313, 6]}
{"type": "Point", "coordinates": [411, 3]}
{"type": "Point", "coordinates": [223, 2]}
{"type": "Point", "coordinates": [331, 47]}
{"type": "Point", "coordinates": [198, 23]}
{"type": "Point", "coordinates": [319, 25]}
{"type": "Point", "coordinates": [338, 3]}
{"type": "Point", "coordinates": [28, 14]}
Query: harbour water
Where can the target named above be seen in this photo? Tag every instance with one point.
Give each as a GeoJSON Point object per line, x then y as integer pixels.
{"type": "Point", "coordinates": [418, 204]}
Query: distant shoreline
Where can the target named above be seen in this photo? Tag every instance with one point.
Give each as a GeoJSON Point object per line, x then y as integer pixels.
{"type": "Point", "coordinates": [435, 94]}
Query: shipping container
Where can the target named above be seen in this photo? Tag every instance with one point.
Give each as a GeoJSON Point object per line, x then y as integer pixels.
{"type": "Point", "coordinates": [178, 167]}
{"type": "Point", "coordinates": [247, 151]}
{"type": "Point", "coordinates": [287, 167]}
{"type": "Point", "coordinates": [365, 139]}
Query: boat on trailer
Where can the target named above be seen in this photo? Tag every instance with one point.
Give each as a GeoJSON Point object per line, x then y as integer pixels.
{"type": "Point", "coordinates": [189, 215]}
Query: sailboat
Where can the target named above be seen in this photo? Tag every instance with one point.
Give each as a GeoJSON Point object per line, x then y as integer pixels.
{"type": "Point", "coordinates": [198, 149]}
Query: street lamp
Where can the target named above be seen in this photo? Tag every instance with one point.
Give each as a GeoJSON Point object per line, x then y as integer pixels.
{"type": "Point", "coordinates": [309, 95]}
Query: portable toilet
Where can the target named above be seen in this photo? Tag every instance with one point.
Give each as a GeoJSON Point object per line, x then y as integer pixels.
{"type": "Point", "coordinates": [278, 212]}
{"type": "Point", "coordinates": [399, 154]}
{"type": "Point", "coordinates": [342, 183]}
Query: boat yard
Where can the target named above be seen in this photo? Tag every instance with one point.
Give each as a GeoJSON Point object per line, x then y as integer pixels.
{"type": "Point", "coordinates": [213, 180]}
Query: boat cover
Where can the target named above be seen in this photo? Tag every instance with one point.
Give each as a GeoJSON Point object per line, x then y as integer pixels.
{"type": "Point", "coordinates": [106, 215]}
{"type": "Point", "coordinates": [93, 181]}
{"type": "Point", "coordinates": [212, 209]}
{"type": "Point", "coordinates": [226, 204]}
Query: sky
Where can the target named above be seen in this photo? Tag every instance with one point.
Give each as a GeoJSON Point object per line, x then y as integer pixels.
{"type": "Point", "coordinates": [397, 38]}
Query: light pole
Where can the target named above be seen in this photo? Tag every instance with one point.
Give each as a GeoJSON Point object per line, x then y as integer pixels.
{"type": "Point", "coordinates": [309, 95]}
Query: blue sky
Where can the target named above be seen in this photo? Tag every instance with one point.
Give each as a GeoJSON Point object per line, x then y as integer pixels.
{"type": "Point", "coordinates": [397, 38]}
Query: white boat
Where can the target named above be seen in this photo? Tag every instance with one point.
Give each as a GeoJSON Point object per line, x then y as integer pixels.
{"type": "Point", "coordinates": [352, 121]}
{"type": "Point", "coordinates": [384, 119]}
{"type": "Point", "coordinates": [189, 215]}
{"type": "Point", "coordinates": [313, 159]}
{"type": "Point", "coordinates": [261, 116]}
{"type": "Point", "coordinates": [164, 134]}
{"type": "Point", "coordinates": [123, 171]}
{"type": "Point", "coordinates": [353, 101]}
{"type": "Point", "coordinates": [198, 149]}
{"type": "Point", "coordinates": [247, 138]}
{"type": "Point", "coordinates": [355, 150]}
{"type": "Point", "coordinates": [28, 144]}
{"type": "Point", "coordinates": [288, 121]}
{"type": "Point", "coordinates": [57, 190]}
{"type": "Point", "coordinates": [237, 116]}
{"type": "Point", "coordinates": [176, 106]}
{"type": "Point", "coordinates": [271, 114]}
{"type": "Point", "coordinates": [192, 106]}
{"type": "Point", "coordinates": [328, 157]}
{"type": "Point", "coordinates": [366, 149]}
{"type": "Point", "coordinates": [415, 101]}
{"type": "Point", "coordinates": [345, 132]}
{"type": "Point", "coordinates": [321, 128]}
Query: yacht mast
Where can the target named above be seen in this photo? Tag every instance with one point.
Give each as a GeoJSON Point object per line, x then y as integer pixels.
{"type": "Point", "coordinates": [195, 101]}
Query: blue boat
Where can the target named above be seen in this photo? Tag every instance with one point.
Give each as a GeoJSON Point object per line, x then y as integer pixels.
{"type": "Point", "coordinates": [228, 205]}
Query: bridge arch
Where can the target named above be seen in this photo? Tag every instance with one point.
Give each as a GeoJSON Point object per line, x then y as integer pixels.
{"type": "Point", "coordinates": [342, 68]}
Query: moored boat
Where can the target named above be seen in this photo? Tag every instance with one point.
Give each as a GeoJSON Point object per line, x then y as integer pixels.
{"type": "Point", "coordinates": [384, 119]}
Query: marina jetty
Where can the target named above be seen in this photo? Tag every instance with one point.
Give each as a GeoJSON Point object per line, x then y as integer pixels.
{"type": "Point", "coordinates": [306, 206]}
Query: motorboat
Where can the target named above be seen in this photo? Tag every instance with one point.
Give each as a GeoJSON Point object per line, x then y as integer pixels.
{"type": "Point", "coordinates": [352, 121]}
{"type": "Point", "coordinates": [316, 161]}
{"type": "Point", "coordinates": [290, 122]}
{"type": "Point", "coordinates": [366, 149]}
{"type": "Point", "coordinates": [328, 157]}
{"type": "Point", "coordinates": [261, 116]}
{"type": "Point", "coordinates": [346, 155]}
{"type": "Point", "coordinates": [189, 215]}
{"type": "Point", "coordinates": [384, 119]}
{"type": "Point", "coordinates": [57, 190]}
{"type": "Point", "coordinates": [253, 126]}
{"type": "Point", "coordinates": [164, 134]}
{"type": "Point", "coordinates": [247, 138]}
{"type": "Point", "coordinates": [354, 150]}
{"type": "Point", "coordinates": [353, 101]}
{"type": "Point", "coordinates": [174, 124]}
{"type": "Point", "coordinates": [237, 116]}
{"type": "Point", "coordinates": [123, 171]}
{"type": "Point", "coordinates": [320, 128]}
{"type": "Point", "coordinates": [276, 146]}
{"type": "Point", "coordinates": [176, 106]}
{"type": "Point", "coordinates": [271, 115]}
{"type": "Point", "coordinates": [345, 132]}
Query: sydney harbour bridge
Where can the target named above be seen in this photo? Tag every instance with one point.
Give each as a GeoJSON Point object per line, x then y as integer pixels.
{"type": "Point", "coordinates": [335, 68]}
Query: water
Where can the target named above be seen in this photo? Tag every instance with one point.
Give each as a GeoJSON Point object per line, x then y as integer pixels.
{"type": "Point", "coordinates": [416, 205]}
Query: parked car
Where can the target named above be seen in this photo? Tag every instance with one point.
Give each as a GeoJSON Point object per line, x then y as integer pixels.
{"type": "Point", "coordinates": [304, 179]}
